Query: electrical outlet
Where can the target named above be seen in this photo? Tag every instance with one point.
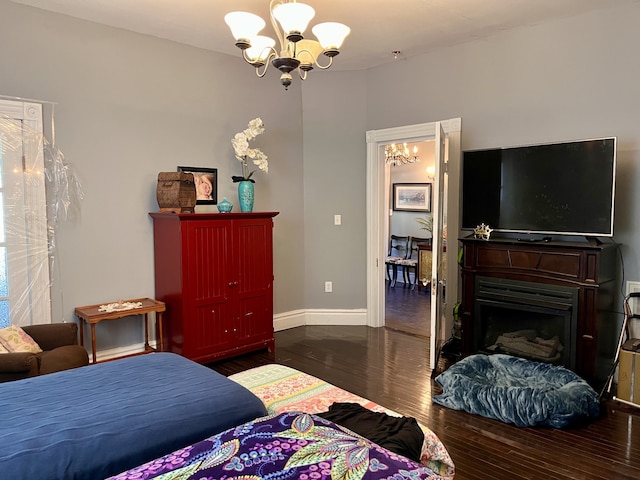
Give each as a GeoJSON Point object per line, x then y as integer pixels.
{"type": "Point", "coordinates": [328, 287]}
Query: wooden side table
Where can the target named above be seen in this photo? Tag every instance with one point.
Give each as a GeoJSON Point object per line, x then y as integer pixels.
{"type": "Point", "coordinates": [92, 315]}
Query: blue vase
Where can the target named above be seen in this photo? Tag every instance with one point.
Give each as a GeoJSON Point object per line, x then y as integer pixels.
{"type": "Point", "coordinates": [245, 196]}
{"type": "Point", "coordinates": [224, 206]}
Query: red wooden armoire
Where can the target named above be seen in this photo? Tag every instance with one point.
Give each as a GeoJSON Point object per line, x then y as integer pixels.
{"type": "Point", "coordinates": [214, 272]}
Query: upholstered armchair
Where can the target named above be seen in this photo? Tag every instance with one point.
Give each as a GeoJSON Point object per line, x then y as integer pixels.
{"type": "Point", "coordinates": [60, 351]}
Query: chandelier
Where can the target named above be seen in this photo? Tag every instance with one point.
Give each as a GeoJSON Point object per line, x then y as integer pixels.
{"type": "Point", "coordinates": [399, 154]}
{"type": "Point", "coordinates": [289, 19]}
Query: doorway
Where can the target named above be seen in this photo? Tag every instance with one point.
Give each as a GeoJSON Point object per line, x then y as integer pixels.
{"type": "Point", "coordinates": [409, 222]}
{"type": "Point", "coordinates": [378, 179]}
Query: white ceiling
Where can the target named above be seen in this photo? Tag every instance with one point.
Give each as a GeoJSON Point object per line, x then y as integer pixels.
{"type": "Point", "coordinates": [378, 27]}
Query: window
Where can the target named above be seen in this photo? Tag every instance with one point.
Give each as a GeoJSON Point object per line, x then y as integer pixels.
{"type": "Point", "coordinates": [24, 259]}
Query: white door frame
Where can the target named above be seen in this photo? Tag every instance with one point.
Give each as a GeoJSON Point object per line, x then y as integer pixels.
{"type": "Point", "coordinates": [378, 202]}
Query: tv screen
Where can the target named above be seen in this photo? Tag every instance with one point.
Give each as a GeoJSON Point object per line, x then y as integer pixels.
{"type": "Point", "coordinates": [559, 188]}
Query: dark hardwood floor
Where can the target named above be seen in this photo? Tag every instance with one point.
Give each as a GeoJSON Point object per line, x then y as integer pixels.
{"type": "Point", "coordinates": [408, 310]}
{"type": "Point", "coordinates": [392, 369]}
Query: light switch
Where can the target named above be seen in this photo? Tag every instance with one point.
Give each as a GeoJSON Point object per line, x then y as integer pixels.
{"type": "Point", "coordinates": [337, 219]}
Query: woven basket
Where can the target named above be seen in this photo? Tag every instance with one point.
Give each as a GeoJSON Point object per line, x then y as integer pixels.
{"type": "Point", "coordinates": [176, 192]}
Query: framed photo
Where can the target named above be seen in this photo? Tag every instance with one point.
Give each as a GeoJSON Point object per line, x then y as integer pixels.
{"type": "Point", "coordinates": [206, 180]}
{"type": "Point", "coordinates": [412, 197]}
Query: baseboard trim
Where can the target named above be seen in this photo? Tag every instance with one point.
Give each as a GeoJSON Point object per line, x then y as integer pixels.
{"type": "Point", "coordinates": [281, 321]}
{"type": "Point", "coordinates": [299, 318]}
{"type": "Point", "coordinates": [118, 352]}
{"type": "Point", "coordinates": [292, 319]}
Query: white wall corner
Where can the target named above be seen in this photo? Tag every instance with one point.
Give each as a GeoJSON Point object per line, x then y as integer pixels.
{"type": "Point", "coordinates": [284, 321]}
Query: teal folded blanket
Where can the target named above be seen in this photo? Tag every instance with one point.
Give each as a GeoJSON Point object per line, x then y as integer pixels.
{"type": "Point", "coordinates": [518, 391]}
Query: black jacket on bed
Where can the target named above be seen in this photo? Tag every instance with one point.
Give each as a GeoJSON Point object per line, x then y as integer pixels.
{"type": "Point", "coordinates": [398, 434]}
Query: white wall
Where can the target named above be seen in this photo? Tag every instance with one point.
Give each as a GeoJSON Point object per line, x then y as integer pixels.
{"type": "Point", "coordinates": [130, 106]}
{"type": "Point", "coordinates": [335, 184]}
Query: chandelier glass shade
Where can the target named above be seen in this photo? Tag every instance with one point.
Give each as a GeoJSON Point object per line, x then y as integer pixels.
{"type": "Point", "coordinates": [290, 19]}
{"type": "Point", "coordinates": [396, 154]}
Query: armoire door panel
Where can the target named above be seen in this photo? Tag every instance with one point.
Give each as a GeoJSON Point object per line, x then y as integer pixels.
{"type": "Point", "coordinates": [209, 255]}
{"type": "Point", "coordinates": [255, 262]}
{"type": "Point", "coordinates": [255, 318]}
{"type": "Point", "coordinates": [212, 328]}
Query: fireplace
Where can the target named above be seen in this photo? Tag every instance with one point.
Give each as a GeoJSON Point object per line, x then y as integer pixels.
{"type": "Point", "coordinates": [541, 290]}
{"type": "Point", "coordinates": [526, 319]}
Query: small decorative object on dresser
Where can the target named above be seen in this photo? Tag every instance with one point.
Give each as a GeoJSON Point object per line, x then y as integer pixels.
{"type": "Point", "coordinates": [246, 195]}
{"type": "Point", "coordinates": [482, 231]}
{"type": "Point", "coordinates": [176, 192]}
{"type": "Point", "coordinates": [240, 143]}
{"type": "Point", "coordinates": [225, 206]}
{"type": "Point", "coordinates": [206, 183]}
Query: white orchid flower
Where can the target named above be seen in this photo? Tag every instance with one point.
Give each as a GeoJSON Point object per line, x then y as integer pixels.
{"type": "Point", "coordinates": [240, 143]}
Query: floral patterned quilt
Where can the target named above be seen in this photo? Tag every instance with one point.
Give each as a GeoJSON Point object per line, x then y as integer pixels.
{"type": "Point", "coordinates": [292, 445]}
{"type": "Point", "coordinates": [284, 389]}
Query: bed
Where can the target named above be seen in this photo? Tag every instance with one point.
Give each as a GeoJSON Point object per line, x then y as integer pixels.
{"type": "Point", "coordinates": [283, 389]}
{"type": "Point", "coordinates": [290, 445]}
{"type": "Point", "coordinates": [99, 420]}
{"type": "Point", "coordinates": [294, 441]}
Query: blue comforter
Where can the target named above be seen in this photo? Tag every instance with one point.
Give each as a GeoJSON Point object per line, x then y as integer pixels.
{"type": "Point", "coordinates": [96, 421]}
{"type": "Point", "coordinates": [518, 391]}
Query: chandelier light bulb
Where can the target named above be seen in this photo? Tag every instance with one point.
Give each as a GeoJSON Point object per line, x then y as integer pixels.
{"type": "Point", "coordinates": [244, 26]}
{"type": "Point", "coordinates": [294, 19]}
{"type": "Point", "coordinates": [260, 49]}
{"type": "Point", "coordinates": [331, 35]}
{"type": "Point", "coordinates": [308, 52]}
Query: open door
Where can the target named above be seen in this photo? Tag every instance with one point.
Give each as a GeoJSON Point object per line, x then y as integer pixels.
{"type": "Point", "coordinates": [378, 211]}
{"type": "Point", "coordinates": [438, 246]}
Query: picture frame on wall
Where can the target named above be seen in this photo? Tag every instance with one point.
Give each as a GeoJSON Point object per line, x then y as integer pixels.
{"type": "Point", "coordinates": [206, 180]}
{"type": "Point", "coordinates": [412, 197]}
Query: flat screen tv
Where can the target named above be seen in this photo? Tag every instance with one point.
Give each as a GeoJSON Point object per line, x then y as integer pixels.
{"type": "Point", "coordinates": [563, 188]}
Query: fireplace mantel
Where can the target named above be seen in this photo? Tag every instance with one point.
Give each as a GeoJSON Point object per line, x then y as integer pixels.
{"type": "Point", "coordinates": [589, 267]}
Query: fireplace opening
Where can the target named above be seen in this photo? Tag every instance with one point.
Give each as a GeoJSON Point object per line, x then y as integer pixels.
{"type": "Point", "coordinates": [531, 320]}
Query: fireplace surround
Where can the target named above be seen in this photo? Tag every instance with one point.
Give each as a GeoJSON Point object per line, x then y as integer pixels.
{"type": "Point", "coordinates": [526, 319]}
{"type": "Point", "coordinates": [540, 290]}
